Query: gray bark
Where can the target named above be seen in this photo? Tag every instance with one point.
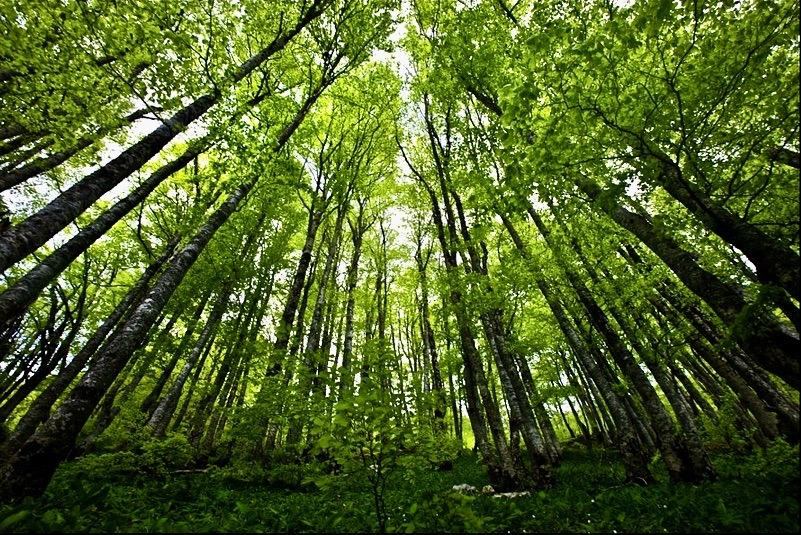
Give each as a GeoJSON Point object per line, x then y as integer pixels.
{"type": "Point", "coordinates": [634, 459]}
{"type": "Point", "coordinates": [27, 236]}
{"type": "Point", "coordinates": [29, 471]}
{"type": "Point", "coordinates": [164, 410]}
{"type": "Point", "coordinates": [766, 341]}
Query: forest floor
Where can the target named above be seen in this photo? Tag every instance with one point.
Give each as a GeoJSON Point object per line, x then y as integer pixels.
{"type": "Point", "coordinates": [755, 491]}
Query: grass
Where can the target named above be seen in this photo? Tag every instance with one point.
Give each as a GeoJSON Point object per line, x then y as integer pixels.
{"type": "Point", "coordinates": [756, 491]}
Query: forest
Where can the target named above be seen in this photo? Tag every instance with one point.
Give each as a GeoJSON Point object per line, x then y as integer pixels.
{"type": "Point", "coordinates": [399, 266]}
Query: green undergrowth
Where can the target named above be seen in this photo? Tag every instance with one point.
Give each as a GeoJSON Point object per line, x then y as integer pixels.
{"type": "Point", "coordinates": [756, 491]}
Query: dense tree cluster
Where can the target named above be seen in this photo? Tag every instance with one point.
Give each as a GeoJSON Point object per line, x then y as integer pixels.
{"type": "Point", "coordinates": [308, 225]}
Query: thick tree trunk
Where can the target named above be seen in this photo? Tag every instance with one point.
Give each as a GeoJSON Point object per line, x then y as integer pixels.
{"type": "Point", "coordinates": [29, 471]}
{"type": "Point", "coordinates": [27, 236]}
{"type": "Point", "coordinates": [15, 177]}
{"type": "Point", "coordinates": [775, 262]}
{"type": "Point", "coordinates": [16, 299]}
{"type": "Point", "coordinates": [40, 408]}
{"type": "Point", "coordinates": [765, 340]}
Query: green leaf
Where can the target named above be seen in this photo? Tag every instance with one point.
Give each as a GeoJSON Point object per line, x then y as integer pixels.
{"type": "Point", "coordinates": [14, 518]}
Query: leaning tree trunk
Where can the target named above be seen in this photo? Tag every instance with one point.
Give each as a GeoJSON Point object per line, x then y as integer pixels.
{"type": "Point", "coordinates": [765, 420]}
{"type": "Point", "coordinates": [40, 408]}
{"type": "Point", "coordinates": [776, 263]}
{"type": "Point", "coordinates": [786, 410]}
{"type": "Point", "coordinates": [248, 322]}
{"type": "Point", "coordinates": [700, 464]}
{"type": "Point", "coordinates": [15, 177]}
{"type": "Point", "coordinates": [149, 404]}
{"type": "Point", "coordinates": [16, 299]}
{"type": "Point", "coordinates": [24, 238]}
{"type": "Point", "coordinates": [766, 342]}
{"type": "Point", "coordinates": [166, 408]}
{"type": "Point", "coordinates": [671, 446]}
{"type": "Point", "coordinates": [30, 470]}
{"type": "Point", "coordinates": [634, 459]}
{"type": "Point", "coordinates": [774, 349]}
{"type": "Point", "coordinates": [293, 298]}
{"type": "Point", "coordinates": [697, 457]}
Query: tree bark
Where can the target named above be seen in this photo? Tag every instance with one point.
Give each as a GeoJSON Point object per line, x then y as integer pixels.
{"type": "Point", "coordinates": [160, 418]}
{"type": "Point", "coordinates": [29, 471]}
{"type": "Point", "coordinates": [24, 238]}
{"type": "Point", "coordinates": [776, 263]}
{"type": "Point", "coordinates": [15, 177]}
{"type": "Point", "coordinates": [766, 341]}
{"type": "Point", "coordinates": [634, 459]}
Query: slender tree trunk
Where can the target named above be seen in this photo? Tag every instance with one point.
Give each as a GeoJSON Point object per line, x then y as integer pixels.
{"type": "Point", "coordinates": [293, 297]}
{"type": "Point", "coordinates": [312, 352]}
{"type": "Point", "coordinates": [766, 341]}
{"type": "Point", "coordinates": [455, 408]}
{"type": "Point", "coordinates": [150, 402]}
{"type": "Point", "coordinates": [634, 459]}
{"type": "Point", "coordinates": [689, 443]}
{"type": "Point", "coordinates": [787, 411]}
{"type": "Point", "coordinates": [179, 418]}
{"type": "Point", "coordinates": [766, 420]}
{"type": "Point", "coordinates": [29, 471]}
{"type": "Point", "coordinates": [357, 230]}
{"type": "Point", "coordinates": [429, 345]}
{"type": "Point", "coordinates": [247, 330]}
{"type": "Point", "coordinates": [24, 238]}
{"type": "Point", "coordinates": [160, 418]}
{"type": "Point", "coordinates": [503, 471]}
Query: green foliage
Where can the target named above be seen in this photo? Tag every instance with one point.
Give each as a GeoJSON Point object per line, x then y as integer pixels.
{"type": "Point", "coordinates": [156, 456]}
{"type": "Point", "coordinates": [756, 492]}
{"type": "Point", "coordinates": [722, 433]}
{"type": "Point", "coordinates": [172, 452]}
{"type": "Point", "coordinates": [368, 442]}
{"type": "Point", "coordinates": [448, 511]}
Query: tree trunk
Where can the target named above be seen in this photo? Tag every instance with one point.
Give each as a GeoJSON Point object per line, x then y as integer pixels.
{"type": "Point", "coordinates": [765, 341]}
{"type": "Point", "coordinates": [634, 459]}
{"type": "Point", "coordinates": [150, 402]}
{"type": "Point", "coordinates": [160, 418]}
{"type": "Point", "coordinates": [776, 263]}
{"type": "Point", "coordinates": [14, 177]}
{"type": "Point", "coordinates": [27, 236]}
{"type": "Point", "coordinates": [29, 471]}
